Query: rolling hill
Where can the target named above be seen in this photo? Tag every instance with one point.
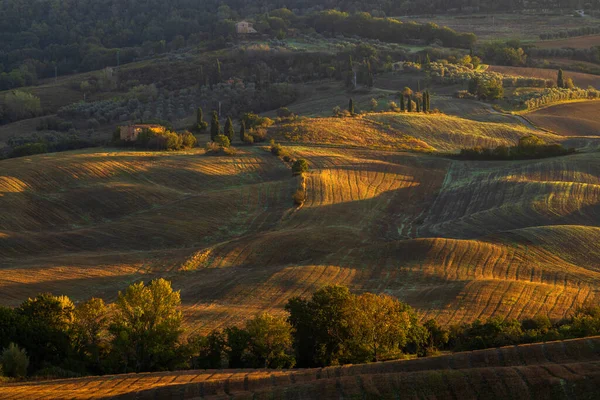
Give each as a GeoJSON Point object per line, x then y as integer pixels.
{"type": "Point", "coordinates": [457, 240]}
{"type": "Point", "coordinates": [578, 119]}
{"type": "Point", "coordinates": [553, 370]}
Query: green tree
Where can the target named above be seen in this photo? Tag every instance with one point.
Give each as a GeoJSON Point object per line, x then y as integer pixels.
{"type": "Point", "coordinates": [410, 103]}
{"type": "Point", "coordinates": [374, 104]}
{"type": "Point", "coordinates": [320, 327]}
{"type": "Point", "coordinates": [300, 166]}
{"type": "Point", "coordinates": [215, 126]}
{"type": "Point", "coordinates": [201, 124]}
{"type": "Point", "coordinates": [351, 106]}
{"type": "Point", "coordinates": [14, 361]}
{"type": "Point", "coordinates": [222, 140]}
{"type": "Point", "coordinates": [218, 73]}
{"type": "Point", "coordinates": [46, 329]}
{"type": "Point", "coordinates": [418, 103]}
{"type": "Point", "coordinates": [146, 326]}
{"type": "Point", "coordinates": [560, 80]}
{"type": "Point", "coordinates": [90, 327]}
{"type": "Point", "coordinates": [378, 327]}
{"type": "Point", "coordinates": [242, 130]}
{"type": "Point", "coordinates": [229, 132]}
{"type": "Point", "coordinates": [209, 350]}
{"type": "Point", "coordinates": [402, 103]}
{"type": "Point", "coordinates": [237, 345]}
{"type": "Point", "coordinates": [270, 342]}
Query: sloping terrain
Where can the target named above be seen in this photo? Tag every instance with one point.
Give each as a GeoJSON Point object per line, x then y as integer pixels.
{"type": "Point", "coordinates": [554, 370]}
{"type": "Point", "coordinates": [457, 240]}
{"type": "Point", "coordinates": [418, 132]}
{"type": "Point", "coordinates": [572, 119]}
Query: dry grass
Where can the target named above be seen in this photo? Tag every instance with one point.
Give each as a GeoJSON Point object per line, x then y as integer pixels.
{"type": "Point", "coordinates": [416, 132]}
{"type": "Point", "coordinates": [457, 240]}
{"type": "Point", "coordinates": [557, 370]}
{"type": "Point", "coordinates": [573, 119]}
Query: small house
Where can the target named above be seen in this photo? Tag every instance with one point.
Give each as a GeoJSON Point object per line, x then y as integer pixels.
{"type": "Point", "coordinates": [244, 28]}
{"type": "Point", "coordinates": [130, 133]}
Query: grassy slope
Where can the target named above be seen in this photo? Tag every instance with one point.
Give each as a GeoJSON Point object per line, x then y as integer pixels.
{"type": "Point", "coordinates": [418, 132]}
{"type": "Point", "coordinates": [556, 370]}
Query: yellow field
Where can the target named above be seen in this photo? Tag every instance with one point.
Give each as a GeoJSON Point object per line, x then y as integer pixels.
{"type": "Point", "coordinates": [554, 370]}
{"type": "Point", "coordinates": [457, 240]}
{"type": "Point", "coordinates": [416, 132]}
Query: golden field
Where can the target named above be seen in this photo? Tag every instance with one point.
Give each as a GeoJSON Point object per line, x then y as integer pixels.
{"type": "Point", "coordinates": [457, 240]}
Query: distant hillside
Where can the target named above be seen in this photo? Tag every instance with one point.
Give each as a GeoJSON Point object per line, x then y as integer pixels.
{"type": "Point", "coordinates": [402, 131]}
{"type": "Point", "coordinates": [553, 370]}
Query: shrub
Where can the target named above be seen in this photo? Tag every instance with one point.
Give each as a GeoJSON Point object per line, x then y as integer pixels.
{"type": "Point", "coordinates": [300, 166]}
{"type": "Point", "coordinates": [299, 197]}
{"type": "Point", "coordinates": [55, 372]}
{"type": "Point", "coordinates": [173, 141]}
{"type": "Point", "coordinates": [277, 149]}
{"type": "Point", "coordinates": [393, 106]}
{"type": "Point", "coordinates": [215, 149]}
{"type": "Point", "coordinates": [28, 149]}
{"type": "Point", "coordinates": [284, 112]}
{"type": "Point", "coordinates": [222, 140]}
{"type": "Point", "coordinates": [14, 361]}
{"type": "Point", "coordinates": [259, 134]}
{"type": "Point", "coordinates": [188, 140]}
{"type": "Point", "coordinates": [19, 105]}
{"type": "Point", "coordinates": [248, 139]}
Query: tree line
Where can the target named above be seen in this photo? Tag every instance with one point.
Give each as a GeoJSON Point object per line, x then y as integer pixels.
{"type": "Point", "coordinates": [529, 147]}
{"type": "Point", "coordinates": [143, 331]}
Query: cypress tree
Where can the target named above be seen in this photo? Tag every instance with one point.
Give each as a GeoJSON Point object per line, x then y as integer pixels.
{"type": "Point", "coordinates": [428, 102]}
{"type": "Point", "coordinates": [215, 126]}
{"type": "Point", "coordinates": [560, 80]}
{"type": "Point", "coordinates": [219, 76]}
{"type": "Point", "coordinates": [351, 106]}
{"type": "Point", "coordinates": [200, 124]}
{"type": "Point", "coordinates": [229, 132]}
{"type": "Point", "coordinates": [402, 105]}
{"type": "Point", "coordinates": [418, 103]}
{"type": "Point", "coordinates": [242, 130]}
{"type": "Point", "coordinates": [409, 103]}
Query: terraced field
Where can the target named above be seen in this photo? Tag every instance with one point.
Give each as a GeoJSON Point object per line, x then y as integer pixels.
{"type": "Point", "coordinates": [554, 370]}
{"type": "Point", "coordinates": [573, 119]}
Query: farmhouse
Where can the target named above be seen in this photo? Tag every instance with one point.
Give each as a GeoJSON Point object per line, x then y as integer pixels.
{"type": "Point", "coordinates": [130, 133]}
{"type": "Point", "coordinates": [244, 28]}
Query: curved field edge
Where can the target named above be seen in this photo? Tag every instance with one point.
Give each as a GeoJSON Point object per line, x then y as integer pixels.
{"type": "Point", "coordinates": [564, 369]}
